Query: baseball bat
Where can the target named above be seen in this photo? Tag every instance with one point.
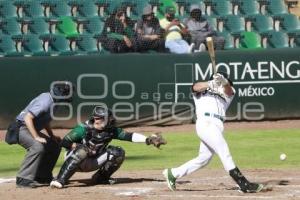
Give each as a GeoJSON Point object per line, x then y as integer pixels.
{"type": "Point", "coordinates": [211, 52]}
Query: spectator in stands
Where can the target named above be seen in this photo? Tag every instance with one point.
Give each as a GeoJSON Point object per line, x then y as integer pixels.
{"type": "Point", "coordinates": [200, 29]}
{"type": "Point", "coordinates": [118, 34]}
{"type": "Point", "coordinates": [149, 33]}
{"type": "Point", "coordinates": [175, 33]}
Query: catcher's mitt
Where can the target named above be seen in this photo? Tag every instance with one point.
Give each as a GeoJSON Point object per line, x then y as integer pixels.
{"type": "Point", "coordinates": [156, 140]}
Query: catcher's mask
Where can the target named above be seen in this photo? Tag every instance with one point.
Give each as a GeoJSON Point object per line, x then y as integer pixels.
{"type": "Point", "coordinates": [225, 76]}
{"type": "Point", "coordinates": [103, 114]}
{"type": "Point", "coordinates": [62, 91]}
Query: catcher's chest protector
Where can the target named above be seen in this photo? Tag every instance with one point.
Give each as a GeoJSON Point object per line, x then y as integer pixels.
{"type": "Point", "coordinates": [98, 140]}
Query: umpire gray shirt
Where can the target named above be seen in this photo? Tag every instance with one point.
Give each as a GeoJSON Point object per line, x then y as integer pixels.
{"type": "Point", "coordinates": [40, 108]}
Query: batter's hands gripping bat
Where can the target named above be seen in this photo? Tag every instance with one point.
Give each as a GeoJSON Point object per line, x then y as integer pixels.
{"type": "Point", "coordinates": [211, 51]}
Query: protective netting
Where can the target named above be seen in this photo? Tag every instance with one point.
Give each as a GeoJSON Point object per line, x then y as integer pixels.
{"type": "Point", "coordinates": [71, 27]}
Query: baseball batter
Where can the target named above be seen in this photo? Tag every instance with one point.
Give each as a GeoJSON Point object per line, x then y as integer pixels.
{"type": "Point", "coordinates": [89, 150]}
{"type": "Point", "coordinates": [212, 98]}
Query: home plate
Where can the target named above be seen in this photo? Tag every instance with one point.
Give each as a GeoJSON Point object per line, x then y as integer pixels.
{"type": "Point", "coordinates": [133, 191]}
{"type": "Point", "coordinates": [7, 180]}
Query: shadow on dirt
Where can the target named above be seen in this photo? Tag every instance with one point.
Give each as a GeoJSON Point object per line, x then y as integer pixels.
{"type": "Point", "coordinates": [117, 181]}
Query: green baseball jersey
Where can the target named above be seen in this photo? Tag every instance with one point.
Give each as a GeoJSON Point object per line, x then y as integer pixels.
{"type": "Point", "coordinates": [81, 132]}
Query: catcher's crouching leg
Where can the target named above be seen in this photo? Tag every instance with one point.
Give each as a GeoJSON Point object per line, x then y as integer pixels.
{"type": "Point", "coordinates": [69, 167]}
{"type": "Point", "coordinates": [115, 158]}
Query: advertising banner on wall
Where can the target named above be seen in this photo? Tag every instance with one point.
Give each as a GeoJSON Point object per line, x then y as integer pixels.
{"type": "Point", "coordinates": [154, 89]}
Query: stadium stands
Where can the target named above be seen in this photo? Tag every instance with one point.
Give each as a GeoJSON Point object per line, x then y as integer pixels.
{"type": "Point", "coordinates": [55, 27]}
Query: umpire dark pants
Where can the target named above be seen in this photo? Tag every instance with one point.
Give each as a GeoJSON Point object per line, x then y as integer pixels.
{"type": "Point", "coordinates": [40, 159]}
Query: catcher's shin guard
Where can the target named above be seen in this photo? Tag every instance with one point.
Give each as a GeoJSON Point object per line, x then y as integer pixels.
{"type": "Point", "coordinates": [71, 164]}
{"type": "Point", "coordinates": [244, 184]}
{"type": "Point", "coordinates": [115, 158]}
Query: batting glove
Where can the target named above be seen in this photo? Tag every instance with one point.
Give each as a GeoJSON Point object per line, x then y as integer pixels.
{"type": "Point", "coordinates": [220, 79]}
{"type": "Point", "coordinates": [213, 84]}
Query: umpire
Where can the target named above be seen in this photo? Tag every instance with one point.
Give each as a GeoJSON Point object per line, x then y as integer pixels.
{"type": "Point", "coordinates": [42, 150]}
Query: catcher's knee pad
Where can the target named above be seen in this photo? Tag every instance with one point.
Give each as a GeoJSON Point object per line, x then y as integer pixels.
{"type": "Point", "coordinates": [115, 155]}
{"type": "Point", "coordinates": [115, 158]}
{"type": "Point", "coordinates": [71, 164]}
{"type": "Point", "coordinates": [80, 153]}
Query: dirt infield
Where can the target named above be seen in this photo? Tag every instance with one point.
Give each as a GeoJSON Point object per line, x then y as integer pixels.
{"type": "Point", "coordinates": [204, 184]}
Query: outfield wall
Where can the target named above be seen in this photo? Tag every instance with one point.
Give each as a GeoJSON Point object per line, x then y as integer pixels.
{"type": "Point", "coordinates": [155, 88]}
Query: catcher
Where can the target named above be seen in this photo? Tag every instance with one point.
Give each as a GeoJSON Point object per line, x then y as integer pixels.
{"type": "Point", "coordinates": [88, 149]}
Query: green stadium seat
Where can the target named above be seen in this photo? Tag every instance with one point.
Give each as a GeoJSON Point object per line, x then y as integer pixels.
{"type": "Point", "coordinates": [290, 23]}
{"type": "Point", "coordinates": [113, 5]}
{"type": "Point", "coordinates": [183, 8]}
{"type": "Point", "coordinates": [57, 44]}
{"type": "Point", "coordinates": [250, 40]}
{"type": "Point", "coordinates": [11, 26]}
{"type": "Point", "coordinates": [33, 46]}
{"type": "Point", "coordinates": [261, 23]}
{"type": "Point", "coordinates": [276, 7]}
{"type": "Point", "coordinates": [94, 25]}
{"type": "Point", "coordinates": [234, 23]}
{"type": "Point", "coordinates": [140, 7]}
{"type": "Point", "coordinates": [155, 5]}
{"type": "Point", "coordinates": [103, 8]}
{"type": "Point", "coordinates": [39, 26]}
{"type": "Point", "coordinates": [7, 9]}
{"type": "Point", "coordinates": [218, 7]}
{"type": "Point", "coordinates": [88, 44]}
{"type": "Point", "coordinates": [8, 47]}
{"type": "Point", "coordinates": [263, 6]}
{"type": "Point", "coordinates": [245, 7]}
{"type": "Point", "coordinates": [229, 40]}
{"type": "Point", "coordinates": [275, 39]}
{"type": "Point", "coordinates": [162, 6]}
{"type": "Point", "coordinates": [212, 21]}
{"type": "Point", "coordinates": [134, 8]}
{"type": "Point", "coordinates": [297, 41]}
{"type": "Point", "coordinates": [33, 8]}
{"type": "Point", "coordinates": [67, 26]}
{"type": "Point", "coordinates": [82, 8]}
{"type": "Point", "coordinates": [56, 8]}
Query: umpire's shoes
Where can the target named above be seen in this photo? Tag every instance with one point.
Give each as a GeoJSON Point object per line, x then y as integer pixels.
{"type": "Point", "coordinates": [171, 180]}
{"type": "Point", "coordinates": [44, 181]}
{"type": "Point", "coordinates": [56, 184]}
{"type": "Point", "coordinates": [253, 188]}
{"type": "Point", "coordinates": [26, 183]}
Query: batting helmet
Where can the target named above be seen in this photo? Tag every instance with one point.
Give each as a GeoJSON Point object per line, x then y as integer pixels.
{"type": "Point", "coordinates": [225, 76]}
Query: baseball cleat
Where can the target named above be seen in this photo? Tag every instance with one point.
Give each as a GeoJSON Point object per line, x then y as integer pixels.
{"type": "Point", "coordinates": [253, 188]}
{"type": "Point", "coordinates": [56, 184]}
{"type": "Point", "coordinates": [171, 180]}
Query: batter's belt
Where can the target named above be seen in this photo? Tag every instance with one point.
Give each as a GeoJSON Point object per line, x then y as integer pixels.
{"type": "Point", "coordinates": [207, 114]}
